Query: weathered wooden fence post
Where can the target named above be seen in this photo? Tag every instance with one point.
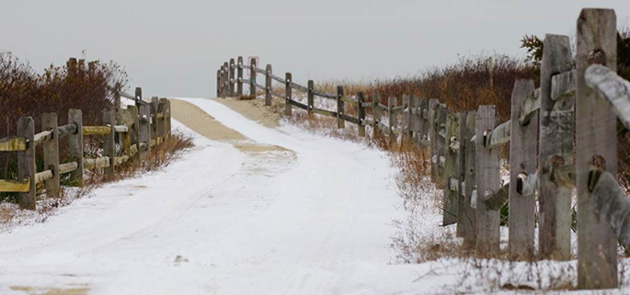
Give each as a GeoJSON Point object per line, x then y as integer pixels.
{"type": "Point", "coordinates": [522, 164]}
{"type": "Point", "coordinates": [26, 162]}
{"type": "Point", "coordinates": [556, 147]}
{"type": "Point", "coordinates": [222, 82]}
{"type": "Point", "coordinates": [596, 149]}
{"type": "Point", "coordinates": [468, 181]}
{"type": "Point", "coordinates": [154, 119]}
{"type": "Point", "coordinates": [415, 119]}
{"type": "Point", "coordinates": [391, 103]}
{"type": "Point", "coordinates": [341, 108]}
{"type": "Point", "coordinates": [252, 78]}
{"type": "Point", "coordinates": [488, 182]}
{"type": "Point", "coordinates": [116, 94]}
{"type": "Point", "coordinates": [451, 177]}
{"type": "Point", "coordinates": [268, 85]}
{"type": "Point", "coordinates": [144, 133]}
{"type": "Point", "coordinates": [109, 149]}
{"type": "Point", "coordinates": [162, 109]}
{"type": "Point", "coordinates": [288, 93]}
{"type": "Point", "coordinates": [424, 123]}
{"type": "Point", "coordinates": [432, 139]}
{"type": "Point", "coordinates": [361, 113]}
{"type": "Point", "coordinates": [226, 79]}
{"type": "Point", "coordinates": [51, 154]}
{"type": "Point", "coordinates": [231, 79]}
{"type": "Point", "coordinates": [138, 95]}
{"type": "Point", "coordinates": [406, 116]}
{"type": "Point", "coordinates": [75, 146]}
{"type": "Point", "coordinates": [134, 131]}
{"type": "Point", "coordinates": [239, 78]}
{"type": "Point", "coordinates": [440, 141]}
{"type": "Point", "coordinates": [310, 98]}
{"type": "Point", "coordinates": [218, 83]}
{"type": "Point", "coordinates": [376, 113]}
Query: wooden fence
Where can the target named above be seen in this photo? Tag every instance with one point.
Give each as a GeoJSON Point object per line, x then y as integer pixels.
{"type": "Point", "coordinates": [129, 134]}
{"type": "Point", "coordinates": [584, 102]}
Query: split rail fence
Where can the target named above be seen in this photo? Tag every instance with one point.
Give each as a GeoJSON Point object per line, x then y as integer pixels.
{"type": "Point", "coordinates": [584, 102]}
{"type": "Point", "coordinates": [129, 134]}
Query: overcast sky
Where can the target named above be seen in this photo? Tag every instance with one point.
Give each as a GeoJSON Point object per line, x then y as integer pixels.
{"type": "Point", "coordinates": [173, 48]}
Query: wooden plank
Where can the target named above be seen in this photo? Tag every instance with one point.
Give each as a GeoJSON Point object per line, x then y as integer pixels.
{"type": "Point", "coordinates": [466, 173]}
{"type": "Point", "coordinates": [614, 88]}
{"type": "Point", "coordinates": [361, 114]}
{"type": "Point", "coordinates": [488, 180]}
{"type": "Point", "coordinates": [530, 106]}
{"type": "Point", "coordinates": [324, 95]}
{"type": "Point", "coordinates": [96, 130]}
{"type": "Point", "coordinates": [268, 96]}
{"type": "Point", "coordinates": [496, 199]}
{"type": "Point", "coordinates": [43, 176]}
{"type": "Point", "coordinates": [288, 93]}
{"type": "Point", "coordinates": [68, 167]}
{"type": "Point", "coordinates": [298, 87]}
{"type": "Point", "coordinates": [499, 136]}
{"type": "Point", "coordinates": [341, 108]}
{"type": "Point", "coordinates": [12, 143]}
{"type": "Point", "coordinates": [42, 137]}
{"type": "Point", "coordinates": [26, 162]}
{"type": "Point", "coordinates": [75, 146]}
{"type": "Point", "coordinates": [109, 149]}
{"type": "Point", "coordinates": [612, 205]}
{"type": "Point", "coordinates": [523, 147]}
{"type": "Point", "coordinates": [596, 140]}
{"type": "Point", "coordinates": [66, 129]}
{"type": "Point", "coordinates": [298, 104]}
{"type": "Point", "coordinates": [324, 112]}
{"type": "Point", "coordinates": [101, 162]}
{"type": "Point", "coordinates": [51, 154]}
{"type": "Point", "coordinates": [563, 85]}
{"type": "Point", "coordinates": [310, 98]}
{"type": "Point", "coordinates": [239, 78]}
{"type": "Point", "coordinates": [556, 122]}
{"type": "Point", "coordinates": [12, 186]}
{"type": "Point", "coordinates": [449, 200]}
{"type": "Point", "coordinates": [252, 78]}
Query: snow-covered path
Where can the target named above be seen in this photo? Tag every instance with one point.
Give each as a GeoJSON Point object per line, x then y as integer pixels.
{"type": "Point", "coordinates": [312, 220]}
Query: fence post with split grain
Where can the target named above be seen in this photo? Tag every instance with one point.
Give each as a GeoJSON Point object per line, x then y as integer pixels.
{"type": "Point", "coordinates": [26, 162]}
{"type": "Point", "coordinates": [51, 154]}
{"type": "Point", "coordinates": [239, 78]}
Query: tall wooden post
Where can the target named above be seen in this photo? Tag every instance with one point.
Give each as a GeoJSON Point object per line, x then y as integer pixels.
{"type": "Point", "coordinates": [75, 146]}
{"type": "Point", "coordinates": [414, 120]}
{"type": "Point", "coordinates": [432, 139]}
{"type": "Point", "coordinates": [116, 94]}
{"type": "Point", "coordinates": [488, 182]}
{"type": "Point", "coordinates": [109, 149]}
{"type": "Point", "coordinates": [154, 119]}
{"type": "Point", "coordinates": [268, 85]}
{"type": "Point", "coordinates": [391, 103]}
{"type": "Point", "coordinates": [468, 181]}
{"type": "Point", "coordinates": [144, 132]}
{"type": "Point", "coordinates": [439, 131]}
{"type": "Point", "coordinates": [239, 78]}
{"type": "Point", "coordinates": [51, 154]}
{"type": "Point", "coordinates": [361, 113]}
{"type": "Point", "coordinates": [226, 79]}
{"type": "Point", "coordinates": [26, 162]}
{"type": "Point", "coordinates": [424, 123]}
{"type": "Point", "coordinates": [405, 130]}
{"type": "Point", "coordinates": [162, 107]}
{"type": "Point", "coordinates": [451, 178]}
{"type": "Point", "coordinates": [376, 113]}
{"type": "Point", "coordinates": [522, 164]}
{"type": "Point", "coordinates": [134, 130]}
{"type": "Point", "coordinates": [138, 95]}
{"type": "Point", "coordinates": [596, 149]}
{"type": "Point", "coordinates": [310, 98]}
{"type": "Point", "coordinates": [252, 78]}
{"type": "Point", "coordinates": [556, 148]}
{"type": "Point", "coordinates": [288, 93]}
{"type": "Point", "coordinates": [231, 79]}
{"type": "Point", "coordinates": [341, 108]}
{"type": "Point", "coordinates": [219, 83]}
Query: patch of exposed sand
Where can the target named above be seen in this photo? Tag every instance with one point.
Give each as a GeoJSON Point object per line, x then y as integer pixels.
{"type": "Point", "coordinates": [51, 291]}
{"type": "Point", "coordinates": [255, 110]}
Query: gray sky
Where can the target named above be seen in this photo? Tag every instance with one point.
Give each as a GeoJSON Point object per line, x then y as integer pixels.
{"type": "Point", "coordinates": [173, 48]}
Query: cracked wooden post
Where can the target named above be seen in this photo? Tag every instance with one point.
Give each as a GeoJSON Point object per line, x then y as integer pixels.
{"type": "Point", "coordinates": [51, 154]}
{"type": "Point", "coordinates": [361, 113]}
{"type": "Point", "coordinates": [522, 164]}
{"type": "Point", "coordinates": [596, 147]}
{"type": "Point", "coordinates": [341, 108]}
{"type": "Point", "coordinates": [468, 181]}
{"type": "Point", "coordinates": [555, 147]}
{"type": "Point", "coordinates": [252, 78]}
{"type": "Point", "coordinates": [488, 181]}
{"type": "Point", "coordinates": [288, 94]}
{"type": "Point", "coordinates": [239, 78]}
{"type": "Point", "coordinates": [439, 131]}
{"type": "Point", "coordinates": [109, 148]}
{"type": "Point", "coordinates": [268, 85]}
{"type": "Point", "coordinates": [26, 162]}
{"type": "Point", "coordinates": [144, 132]}
{"type": "Point", "coordinates": [451, 178]}
{"type": "Point", "coordinates": [391, 103]}
{"type": "Point", "coordinates": [75, 146]}
{"type": "Point", "coordinates": [231, 78]}
{"type": "Point", "coordinates": [310, 98]}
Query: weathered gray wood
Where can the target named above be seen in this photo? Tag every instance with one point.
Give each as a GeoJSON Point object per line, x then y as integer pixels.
{"type": "Point", "coordinates": [288, 94]}
{"type": "Point", "coordinates": [431, 140]}
{"type": "Point", "coordinates": [232, 77]}
{"type": "Point", "coordinates": [391, 103]}
{"type": "Point", "coordinates": [26, 162]}
{"type": "Point", "coordinates": [496, 199]}
{"type": "Point", "coordinates": [219, 83]}
{"type": "Point", "coordinates": [612, 205]}
{"type": "Point", "coordinates": [414, 118]}
{"type": "Point", "coordinates": [144, 132]}
{"type": "Point", "coordinates": [252, 78]}
{"type": "Point", "coordinates": [522, 163]}
{"type": "Point", "coordinates": [614, 88]}
{"type": "Point", "coordinates": [406, 116]}
{"type": "Point", "coordinates": [167, 117]}
{"type": "Point", "coordinates": [116, 96]}
{"type": "Point", "coordinates": [341, 108]}
{"type": "Point", "coordinates": [596, 140]}
{"type": "Point", "coordinates": [499, 135]}
{"type": "Point", "coordinates": [109, 141]}
{"type": "Point", "coordinates": [226, 79]}
{"type": "Point", "coordinates": [423, 122]}
{"type": "Point", "coordinates": [488, 181]}
{"type": "Point", "coordinates": [555, 147]}
{"type": "Point", "coordinates": [268, 89]}
{"type": "Point", "coordinates": [449, 200]}
{"type": "Point", "coordinates": [440, 144]}
{"type": "Point", "coordinates": [239, 78]}
{"type": "Point", "coordinates": [310, 98]}
{"type": "Point", "coordinates": [134, 131]}
{"type": "Point", "coordinates": [465, 212]}
{"type": "Point", "coordinates": [162, 106]}
{"type": "Point", "coordinates": [530, 106]}
{"type": "Point", "coordinates": [51, 154]}
{"type": "Point", "coordinates": [155, 101]}
{"type": "Point", "coordinates": [376, 113]}
{"type": "Point", "coordinates": [138, 96]}
{"type": "Point", "coordinates": [75, 146]}
{"type": "Point", "coordinates": [361, 113]}
{"type": "Point", "coordinates": [563, 85]}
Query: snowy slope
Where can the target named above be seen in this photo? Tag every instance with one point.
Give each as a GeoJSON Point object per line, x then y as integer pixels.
{"type": "Point", "coordinates": [221, 221]}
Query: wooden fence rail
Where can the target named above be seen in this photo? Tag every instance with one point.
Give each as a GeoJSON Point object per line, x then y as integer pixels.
{"type": "Point", "coordinates": [126, 134]}
{"type": "Point", "coordinates": [584, 102]}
